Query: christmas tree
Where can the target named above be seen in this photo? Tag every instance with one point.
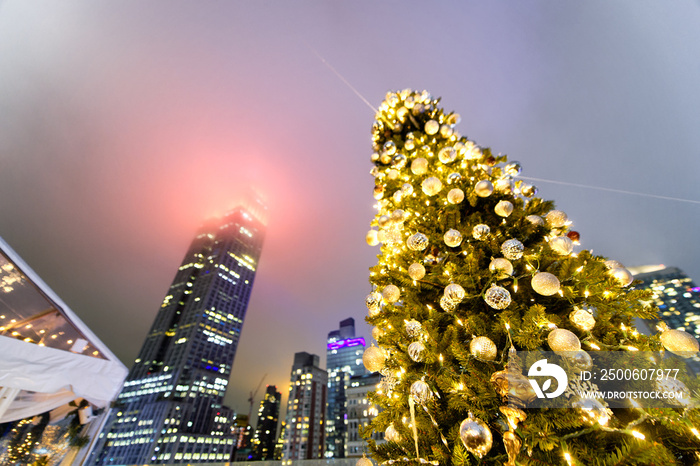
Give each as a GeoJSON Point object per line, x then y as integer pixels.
{"type": "Point", "coordinates": [475, 270]}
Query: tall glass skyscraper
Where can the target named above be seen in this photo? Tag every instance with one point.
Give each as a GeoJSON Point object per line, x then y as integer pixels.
{"type": "Point", "coordinates": [170, 408]}
{"type": "Point", "coordinates": [343, 360]}
{"type": "Point", "coordinates": [266, 430]}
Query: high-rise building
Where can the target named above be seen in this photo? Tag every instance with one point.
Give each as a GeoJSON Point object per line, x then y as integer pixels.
{"type": "Point", "coordinates": [343, 360]}
{"type": "Point", "coordinates": [361, 412]}
{"type": "Point", "coordinates": [304, 435]}
{"type": "Point", "coordinates": [678, 300]}
{"type": "Point", "coordinates": [266, 430]}
{"type": "Point", "coordinates": [170, 408]}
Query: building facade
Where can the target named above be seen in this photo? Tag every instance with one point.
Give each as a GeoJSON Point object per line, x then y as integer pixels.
{"type": "Point", "coordinates": [678, 300]}
{"type": "Point", "coordinates": [170, 408]}
{"type": "Point", "coordinates": [343, 360]}
{"type": "Point", "coordinates": [266, 431]}
{"type": "Point", "coordinates": [304, 435]}
{"type": "Point", "coordinates": [361, 412]}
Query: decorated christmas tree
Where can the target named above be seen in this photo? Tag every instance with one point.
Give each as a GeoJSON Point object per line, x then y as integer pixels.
{"type": "Point", "coordinates": [478, 280]}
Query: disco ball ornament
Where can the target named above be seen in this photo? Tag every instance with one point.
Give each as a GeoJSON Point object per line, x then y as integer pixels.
{"type": "Point", "coordinates": [480, 231]}
{"type": "Point", "coordinates": [419, 166]}
{"type": "Point", "coordinates": [432, 127]}
{"type": "Point", "coordinates": [416, 351]}
{"type": "Point", "coordinates": [476, 436]}
{"type": "Point", "coordinates": [545, 283]}
{"type": "Point", "coordinates": [431, 186]}
{"type": "Point", "coordinates": [414, 329]}
{"type": "Point", "coordinates": [374, 358]}
{"type": "Point", "coordinates": [417, 242]}
{"type": "Point", "coordinates": [420, 392]}
{"type": "Point", "coordinates": [483, 348]}
{"type": "Point", "coordinates": [455, 196]}
{"type": "Point", "coordinates": [622, 276]}
{"type": "Point", "coordinates": [453, 178]}
{"type": "Point", "coordinates": [503, 208]}
{"type": "Point", "coordinates": [561, 339]}
{"type": "Point", "coordinates": [416, 271]}
{"type": "Point", "coordinates": [453, 238]}
{"type": "Point", "coordinates": [483, 188]}
{"type": "Point", "coordinates": [497, 297]}
{"type": "Point", "coordinates": [501, 267]}
{"type": "Point", "coordinates": [679, 342]}
{"type": "Point", "coordinates": [391, 434]}
{"type": "Point", "coordinates": [512, 249]}
{"type": "Point", "coordinates": [372, 238]}
{"type": "Point", "coordinates": [561, 245]}
{"type": "Point", "coordinates": [391, 293]}
{"type": "Point", "coordinates": [582, 319]}
{"type": "Point", "coordinates": [454, 293]}
{"type": "Point", "coordinates": [447, 304]}
{"type": "Point", "coordinates": [364, 461]}
{"type": "Point", "coordinates": [556, 218]}
{"type": "Point", "coordinates": [373, 301]}
{"type": "Point", "coordinates": [447, 155]}
{"type": "Point", "coordinates": [512, 168]}
{"type": "Point", "coordinates": [535, 220]}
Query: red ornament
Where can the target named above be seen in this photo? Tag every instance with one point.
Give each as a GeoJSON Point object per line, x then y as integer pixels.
{"type": "Point", "coordinates": [574, 236]}
{"type": "Point", "coordinates": [490, 160]}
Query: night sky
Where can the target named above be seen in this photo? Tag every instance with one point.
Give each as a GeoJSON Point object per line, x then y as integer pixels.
{"type": "Point", "coordinates": [124, 125]}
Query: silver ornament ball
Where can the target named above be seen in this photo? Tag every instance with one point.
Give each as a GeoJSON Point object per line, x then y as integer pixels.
{"type": "Point", "coordinates": [483, 188]}
{"type": "Point", "coordinates": [416, 271]}
{"type": "Point", "coordinates": [455, 293]}
{"type": "Point", "coordinates": [453, 238]}
{"type": "Point", "coordinates": [503, 208]}
{"type": "Point", "coordinates": [476, 436]}
{"type": "Point", "coordinates": [545, 283]}
{"type": "Point", "coordinates": [512, 249]}
{"type": "Point", "coordinates": [420, 392]}
{"type": "Point", "coordinates": [455, 196]}
{"type": "Point", "coordinates": [561, 339]}
{"type": "Point", "coordinates": [416, 350]}
{"type": "Point", "coordinates": [391, 293]}
{"type": "Point", "coordinates": [481, 231]}
{"type": "Point", "coordinates": [431, 186]}
{"type": "Point", "coordinates": [497, 297]}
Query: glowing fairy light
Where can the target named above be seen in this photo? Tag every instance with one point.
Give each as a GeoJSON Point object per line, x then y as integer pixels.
{"type": "Point", "coordinates": [638, 435]}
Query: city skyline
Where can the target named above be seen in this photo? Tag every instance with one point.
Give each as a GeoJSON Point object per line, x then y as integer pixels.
{"type": "Point", "coordinates": [127, 125]}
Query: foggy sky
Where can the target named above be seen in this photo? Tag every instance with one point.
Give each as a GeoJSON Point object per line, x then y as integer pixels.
{"type": "Point", "coordinates": [124, 125]}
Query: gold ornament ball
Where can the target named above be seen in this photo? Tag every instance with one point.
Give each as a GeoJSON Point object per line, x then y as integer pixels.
{"type": "Point", "coordinates": [391, 293]}
{"type": "Point", "coordinates": [476, 436]}
{"type": "Point", "coordinates": [420, 392]}
{"type": "Point", "coordinates": [446, 131]}
{"type": "Point", "coordinates": [483, 348]}
{"type": "Point", "coordinates": [453, 238]}
{"type": "Point", "coordinates": [528, 190]}
{"type": "Point", "coordinates": [374, 358]}
{"type": "Point", "coordinates": [373, 301]}
{"type": "Point", "coordinates": [454, 293]}
{"type": "Point", "coordinates": [416, 271]}
{"type": "Point", "coordinates": [377, 333]}
{"type": "Point", "coordinates": [383, 221]}
{"type": "Point", "coordinates": [512, 249]}
{"type": "Point", "coordinates": [398, 215]}
{"type": "Point", "coordinates": [480, 231]}
{"type": "Point", "coordinates": [419, 166]}
{"type": "Point", "coordinates": [561, 245]}
{"type": "Point", "coordinates": [399, 161]}
{"type": "Point", "coordinates": [407, 189]}
{"type": "Point", "coordinates": [582, 319]}
{"type": "Point", "coordinates": [391, 434]}
{"type": "Point", "coordinates": [455, 196]}
{"type": "Point", "coordinates": [545, 283]}
{"type": "Point", "coordinates": [535, 220]}
{"type": "Point", "coordinates": [397, 196]}
{"type": "Point", "coordinates": [622, 276]}
{"type": "Point", "coordinates": [372, 238]}
{"type": "Point", "coordinates": [501, 267]}
{"type": "Point", "coordinates": [497, 297]}
{"type": "Point", "coordinates": [679, 342]}
{"type": "Point", "coordinates": [483, 188]}
{"type": "Point", "coordinates": [556, 218]}
{"type": "Point", "coordinates": [417, 242]}
{"type": "Point", "coordinates": [364, 461]}
{"type": "Point", "coordinates": [561, 339]}
{"type": "Point", "coordinates": [432, 127]}
{"type": "Point", "coordinates": [431, 186]}
{"type": "Point", "coordinates": [503, 208]}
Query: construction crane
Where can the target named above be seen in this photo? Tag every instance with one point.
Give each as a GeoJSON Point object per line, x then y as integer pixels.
{"type": "Point", "coordinates": [251, 401]}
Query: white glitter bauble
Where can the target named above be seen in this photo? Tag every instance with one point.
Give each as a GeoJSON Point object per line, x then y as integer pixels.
{"type": "Point", "coordinates": [679, 342]}
{"type": "Point", "coordinates": [481, 231]}
{"type": "Point", "coordinates": [561, 245]}
{"type": "Point", "coordinates": [455, 196]}
{"type": "Point", "coordinates": [391, 293]}
{"type": "Point", "coordinates": [414, 329]}
{"type": "Point", "coordinates": [556, 218]}
{"type": "Point", "coordinates": [420, 392]}
{"type": "Point", "coordinates": [622, 276]}
{"type": "Point", "coordinates": [483, 188]}
{"type": "Point", "coordinates": [483, 348]}
{"type": "Point", "coordinates": [545, 283]}
{"type": "Point", "coordinates": [504, 208]}
{"type": "Point", "coordinates": [416, 271]}
{"type": "Point", "coordinates": [431, 186]}
{"type": "Point", "coordinates": [476, 436]}
{"type": "Point", "coordinates": [447, 155]}
{"type": "Point", "coordinates": [497, 297]}
{"type": "Point", "coordinates": [453, 238]}
{"type": "Point", "coordinates": [454, 293]}
{"type": "Point", "coordinates": [416, 350]}
{"type": "Point", "coordinates": [374, 358]}
{"type": "Point", "coordinates": [417, 242]}
{"type": "Point", "coordinates": [535, 220]}
{"type": "Point", "coordinates": [582, 319]}
{"type": "Point", "coordinates": [501, 267]}
{"type": "Point", "coordinates": [432, 127]}
{"type": "Point", "coordinates": [512, 249]}
{"type": "Point", "coordinates": [372, 238]}
{"type": "Point", "coordinates": [447, 304]}
{"type": "Point", "coordinates": [364, 461]}
{"type": "Point", "coordinates": [561, 339]}
{"type": "Point", "coordinates": [373, 301]}
{"type": "Point", "coordinates": [419, 166]}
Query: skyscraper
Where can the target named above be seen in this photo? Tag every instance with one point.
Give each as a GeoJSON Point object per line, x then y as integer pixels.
{"type": "Point", "coordinates": [343, 360]}
{"type": "Point", "coordinates": [170, 408]}
{"type": "Point", "coordinates": [304, 435]}
{"type": "Point", "coordinates": [266, 430]}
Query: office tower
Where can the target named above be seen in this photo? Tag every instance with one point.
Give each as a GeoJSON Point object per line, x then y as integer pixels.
{"type": "Point", "coordinates": [678, 300]}
{"type": "Point", "coordinates": [170, 408]}
{"type": "Point", "coordinates": [266, 430]}
{"type": "Point", "coordinates": [306, 409]}
{"type": "Point", "coordinates": [343, 360]}
{"type": "Point", "coordinates": [360, 412]}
